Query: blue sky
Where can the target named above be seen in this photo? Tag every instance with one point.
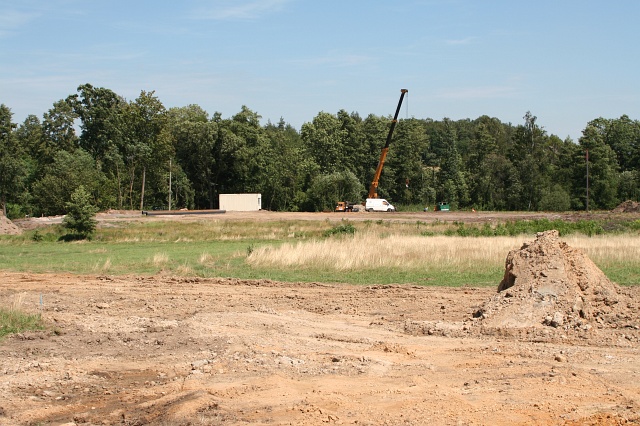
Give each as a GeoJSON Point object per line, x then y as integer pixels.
{"type": "Point", "coordinates": [566, 61]}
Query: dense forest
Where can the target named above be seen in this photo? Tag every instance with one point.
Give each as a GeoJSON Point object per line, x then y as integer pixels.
{"type": "Point", "coordinates": [125, 154]}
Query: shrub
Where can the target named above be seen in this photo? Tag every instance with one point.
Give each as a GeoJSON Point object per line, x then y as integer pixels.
{"type": "Point", "coordinates": [521, 227]}
{"type": "Point", "coordinates": [342, 229]}
{"type": "Point", "coordinates": [556, 200]}
{"type": "Point", "coordinates": [80, 215]}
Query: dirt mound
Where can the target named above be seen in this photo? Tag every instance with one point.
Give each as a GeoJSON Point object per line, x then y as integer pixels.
{"type": "Point", "coordinates": [628, 207]}
{"type": "Point", "coordinates": [549, 285]}
{"type": "Point", "coordinates": [7, 227]}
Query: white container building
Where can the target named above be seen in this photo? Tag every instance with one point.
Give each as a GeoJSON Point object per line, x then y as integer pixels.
{"type": "Point", "coordinates": [240, 202]}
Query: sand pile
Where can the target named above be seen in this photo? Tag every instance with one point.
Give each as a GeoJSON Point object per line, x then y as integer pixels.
{"type": "Point", "coordinates": [628, 207]}
{"type": "Point", "coordinates": [7, 227]}
{"type": "Point", "coordinates": [549, 285]}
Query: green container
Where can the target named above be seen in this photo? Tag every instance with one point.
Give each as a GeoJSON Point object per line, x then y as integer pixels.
{"type": "Point", "coordinates": [442, 207]}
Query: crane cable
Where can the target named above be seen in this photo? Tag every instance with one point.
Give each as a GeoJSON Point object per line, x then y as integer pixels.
{"type": "Point", "coordinates": [406, 113]}
{"type": "Point", "coordinates": [406, 108]}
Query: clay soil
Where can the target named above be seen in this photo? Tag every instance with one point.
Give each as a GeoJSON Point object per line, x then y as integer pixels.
{"type": "Point", "coordinates": [188, 351]}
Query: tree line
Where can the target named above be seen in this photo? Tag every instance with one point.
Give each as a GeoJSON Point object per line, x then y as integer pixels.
{"type": "Point", "coordinates": [124, 154]}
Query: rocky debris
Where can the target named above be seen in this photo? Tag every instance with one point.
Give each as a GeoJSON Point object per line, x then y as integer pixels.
{"type": "Point", "coordinates": [7, 227]}
{"type": "Point", "coordinates": [550, 286]}
{"type": "Point", "coordinates": [628, 207]}
{"type": "Point", "coordinates": [288, 361]}
{"type": "Point", "coordinates": [560, 358]}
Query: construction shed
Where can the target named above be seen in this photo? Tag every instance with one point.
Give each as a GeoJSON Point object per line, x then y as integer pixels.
{"type": "Point", "coordinates": [241, 202]}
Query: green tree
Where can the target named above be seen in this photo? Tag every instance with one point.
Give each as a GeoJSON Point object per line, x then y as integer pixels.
{"type": "Point", "coordinates": [29, 135]}
{"type": "Point", "coordinates": [528, 154]}
{"type": "Point", "coordinates": [629, 188]}
{"type": "Point", "coordinates": [102, 121]}
{"type": "Point", "coordinates": [282, 178]}
{"type": "Point", "coordinates": [13, 169]}
{"type": "Point", "coordinates": [623, 136]}
{"type": "Point", "coordinates": [503, 185]}
{"type": "Point", "coordinates": [603, 170]}
{"type": "Point", "coordinates": [356, 153]}
{"type": "Point", "coordinates": [404, 175]}
{"type": "Point", "coordinates": [453, 186]}
{"type": "Point", "coordinates": [483, 150]}
{"type": "Point", "coordinates": [29, 138]}
{"type": "Point", "coordinates": [375, 130]}
{"type": "Point", "coordinates": [555, 200]}
{"type": "Point", "coordinates": [100, 111]}
{"type": "Point", "coordinates": [324, 138]}
{"type": "Point", "coordinates": [327, 189]}
{"type": "Point", "coordinates": [146, 147]}
{"type": "Point", "coordinates": [195, 140]}
{"type": "Point", "coordinates": [244, 153]}
{"type": "Point", "coordinates": [58, 131]}
{"type": "Point", "coordinates": [182, 192]}
{"type": "Point", "coordinates": [80, 217]}
{"type": "Point", "coordinates": [62, 177]}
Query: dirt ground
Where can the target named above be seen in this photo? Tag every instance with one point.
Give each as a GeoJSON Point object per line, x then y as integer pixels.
{"type": "Point", "coordinates": [467, 217]}
{"type": "Point", "coordinates": [187, 351]}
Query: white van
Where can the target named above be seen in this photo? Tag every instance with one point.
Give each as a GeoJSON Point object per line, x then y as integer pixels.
{"type": "Point", "coordinates": [378, 205]}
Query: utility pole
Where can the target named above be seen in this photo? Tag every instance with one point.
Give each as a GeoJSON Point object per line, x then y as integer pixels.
{"type": "Point", "coordinates": [144, 177]}
{"type": "Point", "coordinates": [169, 183]}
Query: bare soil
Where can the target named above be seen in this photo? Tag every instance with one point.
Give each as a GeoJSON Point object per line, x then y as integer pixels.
{"type": "Point", "coordinates": [628, 207]}
{"type": "Point", "coordinates": [7, 227]}
{"type": "Point", "coordinates": [430, 216]}
{"type": "Point", "coordinates": [187, 351]}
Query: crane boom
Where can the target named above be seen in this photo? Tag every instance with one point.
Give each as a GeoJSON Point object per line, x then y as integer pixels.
{"type": "Point", "coordinates": [373, 189]}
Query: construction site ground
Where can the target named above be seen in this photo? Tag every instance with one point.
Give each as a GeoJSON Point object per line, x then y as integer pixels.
{"type": "Point", "coordinates": [162, 350]}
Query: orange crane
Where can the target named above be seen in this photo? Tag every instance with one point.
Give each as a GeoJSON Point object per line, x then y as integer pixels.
{"type": "Point", "coordinates": [373, 189]}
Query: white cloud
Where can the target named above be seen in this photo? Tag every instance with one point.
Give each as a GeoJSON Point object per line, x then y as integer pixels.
{"type": "Point", "coordinates": [481, 92]}
{"type": "Point", "coordinates": [462, 41]}
{"type": "Point", "coordinates": [12, 20]}
{"type": "Point", "coordinates": [337, 60]}
{"type": "Point", "coordinates": [236, 10]}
